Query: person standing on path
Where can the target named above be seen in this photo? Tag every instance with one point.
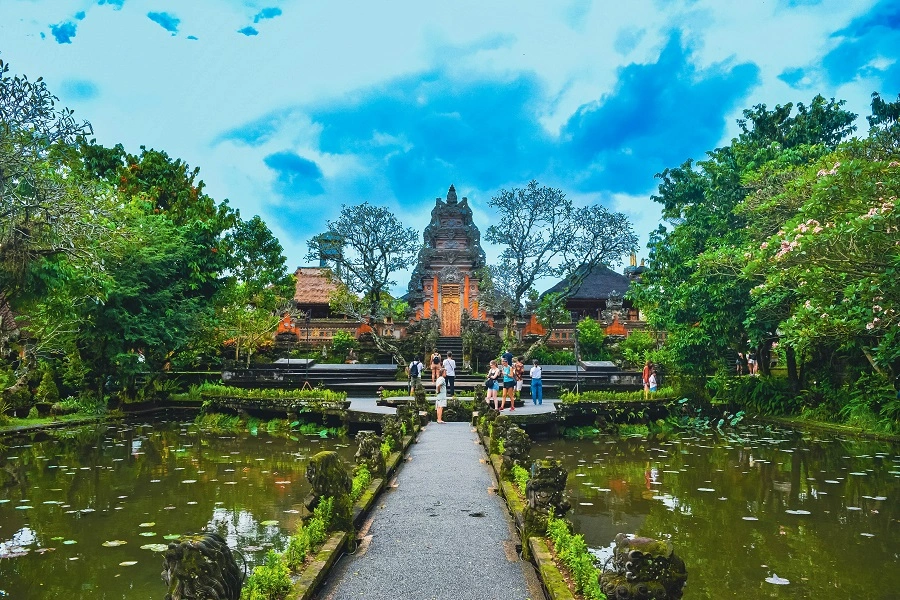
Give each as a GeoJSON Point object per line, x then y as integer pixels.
{"type": "Point", "coordinates": [537, 385]}
{"type": "Point", "coordinates": [648, 366]}
{"type": "Point", "coordinates": [414, 370]}
{"type": "Point", "coordinates": [492, 384]}
{"type": "Point", "coordinates": [440, 398]}
{"type": "Point", "coordinates": [450, 369]}
{"type": "Point", "coordinates": [509, 386]}
{"type": "Point", "coordinates": [507, 356]}
{"type": "Point", "coordinates": [435, 365]}
{"type": "Point", "coordinates": [653, 381]}
{"type": "Point", "coordinates": [518, 375]}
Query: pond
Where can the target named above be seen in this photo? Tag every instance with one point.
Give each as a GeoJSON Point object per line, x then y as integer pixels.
{"type": "Point", "coordinates": [760, 512]}
{"type": "Point", "coordinates": [84, 512]}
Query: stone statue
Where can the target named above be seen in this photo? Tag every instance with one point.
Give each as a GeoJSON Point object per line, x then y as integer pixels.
{"type": "Point", "coordinates": [329, 477]}
{"type": "Point", "coordinates": [516, 446]}
{"type": "Point", "coordinates": [545, 491]}
{"type": "Point", "coordinates": [201, 567]}
{"type": "Point", "coordinates": [390, 428]}
{"type": "Point", "coordinates": [644, 569]}
{"type": "Point", "coordinates": [369, 453]}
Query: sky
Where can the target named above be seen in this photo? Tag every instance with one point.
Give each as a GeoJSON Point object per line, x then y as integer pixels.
{"type": "Point", "coordinates": [292, 109]}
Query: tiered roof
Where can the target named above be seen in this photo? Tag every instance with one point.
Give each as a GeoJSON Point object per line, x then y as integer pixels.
{"type": "Point", "coordinates": [314, 285]}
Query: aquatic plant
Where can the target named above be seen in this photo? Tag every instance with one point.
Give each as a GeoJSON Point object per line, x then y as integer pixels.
{"type": "Point", "coordinates": [210, 390]}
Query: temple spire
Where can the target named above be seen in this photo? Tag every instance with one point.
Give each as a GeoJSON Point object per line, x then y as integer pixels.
{"type": "Point", "coordinates": [451, 195]}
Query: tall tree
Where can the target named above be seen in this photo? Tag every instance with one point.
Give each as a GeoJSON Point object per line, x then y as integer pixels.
{"type": "Point", "coordinates": [543, 234]}
{"type": "Point", "coordinates": [367, 245]}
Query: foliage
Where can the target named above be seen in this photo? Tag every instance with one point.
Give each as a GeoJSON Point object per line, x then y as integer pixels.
{"type": "Point", "coordinates": [212, 390]}
{"type": "Point", "coordinates": [761, 395]}
{"type": "Point", "coordinates": [342, 341]}
{"type": "Point", "coordinates": [520, 476]}
{"type": "Point", "coordinates": [590, 340]}
{"type": "Point", "coordinates": [574, 554]}
{"type": "Point", "coordinates": [361, 480]}
{"type": "Point", "coordinates": [310, 535]}
{"type": "Point", "coordinates": [269, 581]}
{"type": "Point", "coordinates": [387, 446]}
{"type": "Point", "coordinates": [547, 356]}
{"type": "Point", "coordinates": [580, 432]}
{"type": "Point", "coordinates": [47, 390]}
{"type": "Point", "coordinates": [570, 397]}
{"type": "Point", "coordinates": [636, 348]}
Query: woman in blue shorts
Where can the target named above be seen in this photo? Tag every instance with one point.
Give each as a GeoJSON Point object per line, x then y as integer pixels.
{"type": "Point", "coordinates": [492, 383]}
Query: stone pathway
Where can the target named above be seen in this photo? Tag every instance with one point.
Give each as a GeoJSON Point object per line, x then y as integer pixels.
{"type": "Point", "coordinates": [439, 531]}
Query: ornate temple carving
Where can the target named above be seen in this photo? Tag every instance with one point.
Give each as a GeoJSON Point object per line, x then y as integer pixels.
{"type": "Point", "coordinates": [443, 281]}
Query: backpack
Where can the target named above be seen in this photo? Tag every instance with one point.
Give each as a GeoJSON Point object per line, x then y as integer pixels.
{"type": "Point", "coordinates": [414, 369]}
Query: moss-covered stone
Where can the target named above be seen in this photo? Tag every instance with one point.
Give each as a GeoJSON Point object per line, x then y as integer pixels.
{"type": "Point", "coordinates": [201, 566]}
{"type": "Point", "coordinates": [329, 477]}
{"type": "Point", "coordinates": [369, 453]}
{"type": "Point", "coordinates": [644, 568]}
{"type": "Point", "coordinates": [516, 448]}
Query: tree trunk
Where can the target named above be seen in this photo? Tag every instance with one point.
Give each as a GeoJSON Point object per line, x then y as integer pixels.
{"type": "Point", "coordinates": [793, 376]}
{"type": "Point", "coordinates": [764, 358]}
{"type": "Point", "coordinates": [542, 341]}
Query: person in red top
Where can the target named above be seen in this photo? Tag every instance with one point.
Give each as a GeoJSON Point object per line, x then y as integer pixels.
{"type": "Point", "coordinates": [648, 367]}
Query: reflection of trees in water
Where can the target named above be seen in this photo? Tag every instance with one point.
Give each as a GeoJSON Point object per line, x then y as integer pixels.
{"type": "Point", "coordinates": [764, 472]}
{"type": "Point", "coordinates": [124, 460]}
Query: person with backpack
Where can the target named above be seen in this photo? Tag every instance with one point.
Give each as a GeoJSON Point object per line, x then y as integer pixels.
{"type": "Point", "coordinates": [435, 365]}
{"type": "Point", "coordinates": [414, 370]}
{"type": "Point", "coordinates": [440, 398]}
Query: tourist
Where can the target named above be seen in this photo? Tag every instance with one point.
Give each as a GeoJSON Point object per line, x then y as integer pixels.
{"type": "Point", "coordinates": [519, 374]}
{"type": "Point", "coordinates": [652, 381]}
{"type": "Point", "coordinates": [648, 366]}
{"type": "Point", "coordinates": [414, 370]}
{"type": "Point", "coordinates": [435, 365]}
{"type": "Point", "coordinates": [450, 368]}
{"type": "Point", "coordinates": [507, 356]}
{"type": "Point", "coordinates": [493, 384]}
{"type": "Point", "coordinates": [751, 362]}
{"type": "Point", "coordinates": [440, 398]}
{"type": "Point", "coordinates": [739, 364]}
{"type": "Point", "coordinates": [509, 385]}
{"type": "Point", "coordinates": [537, 384]}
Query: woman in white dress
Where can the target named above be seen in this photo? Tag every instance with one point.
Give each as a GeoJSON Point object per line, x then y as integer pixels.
{"type": "Point", "coordinates": [440, 398]}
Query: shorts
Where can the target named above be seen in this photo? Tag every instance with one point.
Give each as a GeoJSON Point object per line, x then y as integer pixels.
{"type": "Point", "coordinates": [440, 403]}
{"type": "Point", "coordinates": [652, 388]}
{"type": "Point", "coordinates": [491, 386]}
{"type": "Point", "coordinates": [508, 385]}
{"type": "Point", "coordinates": [519, 385]}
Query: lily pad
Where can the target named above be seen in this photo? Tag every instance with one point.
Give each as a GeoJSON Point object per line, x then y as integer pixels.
{"type": "Point", "coordinates": [24, 507]}
{"type": "Point", "coordinates": [776, 580]}
{"type": "Point", "coordinates": [127, 563]}
{"type": "Point", "coordinates": [267, 523]}
{"type": "Point", "coordinates": [69, 542]}
{"type": "Point", "coordinates": [147, 533]}
{"type": "Point", "coordinates": [172, 536]}
{"type": "Point", "coordinates": [150, 524]}
{"type": "Point", "coordinates": [114, 543]}
{"type": "Point", "coordinates": [155, 547]}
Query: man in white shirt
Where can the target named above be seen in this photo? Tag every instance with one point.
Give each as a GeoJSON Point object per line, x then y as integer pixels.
{"type": "Point", "coordinates": [450, 368]}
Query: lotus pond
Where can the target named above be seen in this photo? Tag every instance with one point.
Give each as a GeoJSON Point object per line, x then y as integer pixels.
{"type": "Point", "coordinates": [85, 512]}
{"type": "Point", "coordinates": [758, 512]}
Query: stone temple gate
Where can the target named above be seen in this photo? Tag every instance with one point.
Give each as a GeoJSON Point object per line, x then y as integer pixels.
{"type": "Point", "coordinates": [443, 282]}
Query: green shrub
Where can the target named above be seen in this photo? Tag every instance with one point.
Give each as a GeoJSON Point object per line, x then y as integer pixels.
{"type": "Point", "coordinates": [269, 581]}
{"type": "Point", "coordinates": [33, 413]}
{"type": "Point", "coordinates": [387, 446]}
{"type": "Point", "coordinates": [310, 535]}
{"type": "Point", "coordinates": [361, 480]}
{"type": "Point", "coordinates": [573, 553]}
{"type": "Point", "coordinates": [569, 397]}
{"type": "Point", "coordinates": [520, 476]}
{"type": "Point", "coordinates": [47, 390]}
{"type": "Point", "coordinates": [342, 342]}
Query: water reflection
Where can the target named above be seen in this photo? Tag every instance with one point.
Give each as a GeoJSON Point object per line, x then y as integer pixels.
{"type": "Point", "coordinates": [88, 508]}
{"type": "Point", "coordinates": [764, 512]}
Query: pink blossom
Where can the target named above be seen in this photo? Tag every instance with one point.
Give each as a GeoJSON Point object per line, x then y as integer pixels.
{"type": "Point", "coordinates": [764, 245]}
{"type": "Point", "coordinates": [870, 326]}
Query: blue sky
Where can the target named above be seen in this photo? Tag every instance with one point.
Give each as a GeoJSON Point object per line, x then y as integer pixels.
{"type": "Point", "coordinates": [291, 109]}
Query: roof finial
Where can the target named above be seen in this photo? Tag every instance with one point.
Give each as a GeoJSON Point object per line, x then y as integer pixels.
{"type": "Point", "coordinates": [451, 195]}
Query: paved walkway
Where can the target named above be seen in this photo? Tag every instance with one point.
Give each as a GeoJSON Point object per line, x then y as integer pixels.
{"type": "Point", "coordinates": [439, 531]}
{"type": "Point", "coordinates": [369, 405]}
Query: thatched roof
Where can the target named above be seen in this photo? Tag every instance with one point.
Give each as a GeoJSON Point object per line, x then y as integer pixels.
{"type": "Point", "coordinates": [313, 286]}
{"type": "Point", "coordinates": [598, 285]}
{"type": "Point", "coordinates": [7, 318]}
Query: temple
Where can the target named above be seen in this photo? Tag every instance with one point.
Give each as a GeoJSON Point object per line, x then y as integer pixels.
{"type": "Point", "coordinates": [444, 282]}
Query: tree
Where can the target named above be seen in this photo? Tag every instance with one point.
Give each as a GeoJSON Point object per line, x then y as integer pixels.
{"type": "Point", "coordinates": [367, 245]}
{"type": "Point", "coordinates": [695, 289]}
{"type": "Point", "coordinates": [44, 213]}
{"type": "Point", "coordinates": [545, 235]}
